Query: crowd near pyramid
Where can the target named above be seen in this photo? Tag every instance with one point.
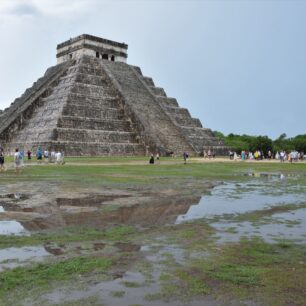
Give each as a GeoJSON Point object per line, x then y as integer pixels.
{"type": "Point", "coordinates": [94, 103]}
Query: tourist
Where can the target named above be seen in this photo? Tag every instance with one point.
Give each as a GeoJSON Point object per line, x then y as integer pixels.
{"type": "Point", "coordinates": [1, 161]}
{"type": "Point", "coordinates": [277, 156]}
{"type": "Point", "coordinates": [157, 158]}
{"type": "Point", "coordinates": [282, 156]}
{"type": "Point", "coordinates": [205, 154]}
{"type": "Point", "coordinates": [269, 155]}
{"type": "Point", "coordinates": [53, 157]}
{"type": "Point", "coordinates": [17, 160]}
{"type": "Point", "coordinates": [209, 154]}
{"type": "Point", "coordinates": [185, 156]}
{"type": "Point", "coordinates": [46, 156]}
{"type": "Point", "coordinates": [39, 155]}
{"type": "Point", "coordinates": [29, 153]}
{"type": "Point", "coordinates": [243, 155]}
{"type": "Point", "coordinates": [22, 158]}
{"type": "Point", "coordinates": [231, 154]}
{"type": "Point", "coordinates": [235, 156]}
{"type": "Point", "coordinates": [60, 158]}
{"type": "Point", "coordinates": [151, 161]}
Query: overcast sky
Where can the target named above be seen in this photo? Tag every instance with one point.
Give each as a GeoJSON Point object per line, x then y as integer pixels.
{"type": "Point", "coordinates": [238, 66]}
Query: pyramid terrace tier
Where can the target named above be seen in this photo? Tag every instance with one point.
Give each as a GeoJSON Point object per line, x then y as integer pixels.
{"type": "Point", "coordinates": [94, 123]}
{"type": "Point", "coordinates": [92, 112]}
{"type": "Point", "coordinates": [97, 136]}
{"type": "Point", "coordinates": [75, 148]}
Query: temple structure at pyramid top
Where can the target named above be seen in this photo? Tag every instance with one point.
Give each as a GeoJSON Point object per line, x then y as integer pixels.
{"type": "Point", "coordinates": [94, 103]}
{"type": "Point", "coordinates": [94, 46]}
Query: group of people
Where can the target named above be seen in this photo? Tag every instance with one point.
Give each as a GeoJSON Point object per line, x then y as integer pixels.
{"type": "Point", "coordinates": [209, 154]}
{"type": "Point", "coordinates": [19, 156]}
{"type": "Point", "coordinates": [292, 156]}
{"type": "Point", "coordinates": [156, 159]}
{"type": "Point", "coordinates": [52, 157]}
{"type": "Point", "coordinates": [152, 159]}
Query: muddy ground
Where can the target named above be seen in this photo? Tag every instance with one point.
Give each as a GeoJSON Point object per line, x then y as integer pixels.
{"type": "Point", "coordinates": [204, 234]}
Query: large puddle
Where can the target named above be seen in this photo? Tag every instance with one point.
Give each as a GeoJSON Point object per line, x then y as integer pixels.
{"type": "Point", "coordinates": [11, 227]}
{"type": "Point", "coordinates": [230, 200]}
{"type": "Point", "coordinates": [15, 257]}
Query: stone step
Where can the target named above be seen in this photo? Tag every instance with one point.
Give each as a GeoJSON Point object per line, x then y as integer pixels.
{"type": "Point", "coordinates": [178, 111]}
{"type": "Point", "coordinates": [137, 69]}
{"type": "Point", "coordinates": [158, 91]}
{"type": "Point", "coordinates": [186, 121]}
{"type": "Point", "coordinates": [171, 102]}
{"type": "Point", "coordinates": [93, 90]}
{"type": "Point", "coordinates": [92, 79]}
{"type": "Point", "coordinates": [94, 123]}
{"type": "Point", "coordinates": [149, 81]}
{"type": "Point", "coordinates": [93, 102]}
{"type": "Point", "coordinates": [78, 98]}
{"type": "Point", "coordinates": [87, 69]}
{"type": "Point", "coordinates": [78, 110]}
{"type": "Point", "coordinates": [197, 131]}
{"type": "Point", "coordinates": [82, 135]}
{"type": "Point", "coordinates": [85, 78]}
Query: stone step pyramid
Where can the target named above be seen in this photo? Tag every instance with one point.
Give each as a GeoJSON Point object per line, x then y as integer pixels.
{"type": "Point", "coordinates": [94, 103]}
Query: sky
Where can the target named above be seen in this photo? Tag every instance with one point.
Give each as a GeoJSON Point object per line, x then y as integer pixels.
{"type": "Point", "coordinates": [238, 66]}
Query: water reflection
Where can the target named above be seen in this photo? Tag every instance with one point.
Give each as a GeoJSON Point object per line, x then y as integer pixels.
{"type": "Point", "coordinates": [229, 200]}
{"type": "Point", "coordinates": [138, 210]}
{"type": "Point", "coordinates": [12, 227]}
{"type": "Point", "coordinates": [232, 198]}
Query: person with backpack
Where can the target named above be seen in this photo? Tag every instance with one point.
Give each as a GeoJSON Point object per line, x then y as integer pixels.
{"type": "Point", "coordinates": [39, 154]}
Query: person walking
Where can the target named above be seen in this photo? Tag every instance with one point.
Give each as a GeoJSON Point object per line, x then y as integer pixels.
{"type": "Point", "coordinates": [157, 158]}
{"type": "Point", "coordinates": [185, 156]}
{"type": "Point", "coordinates": [1, 161]}
{"type": "Point", "coordinates": [151, 161]}
{"type": "Point", "coordinates": [39, 155]}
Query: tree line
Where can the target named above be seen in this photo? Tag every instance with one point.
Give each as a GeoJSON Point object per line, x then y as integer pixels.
{"type": "Point", "coordinates": [244, 142]}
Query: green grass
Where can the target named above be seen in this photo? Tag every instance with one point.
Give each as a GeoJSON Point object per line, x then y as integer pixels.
{"type": "Point", "coordinates": [144, 174]}
{"type": "Point", "coordinates": [118, 294]}
{"type": "Point", "coordinates": [42, 274]}
{"type": "Point", "coordinates": [266, 268]}
{"type": "Point", "coordinates": [69, 234]}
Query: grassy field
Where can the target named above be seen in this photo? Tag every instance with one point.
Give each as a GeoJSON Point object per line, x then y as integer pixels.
{"type": "Point", "coordinates": [249, 270]}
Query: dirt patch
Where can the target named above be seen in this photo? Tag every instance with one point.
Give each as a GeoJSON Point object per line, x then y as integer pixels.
{"type": "Point", "coordinates": [98, 246]}
{"type": "Point", "coordinates": [92, 200]}
{"type": "Point", "coordinates": [127, 247]}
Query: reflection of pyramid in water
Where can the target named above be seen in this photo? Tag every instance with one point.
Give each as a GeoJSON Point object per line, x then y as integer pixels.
{"type": "Point", "coordinates": [93, 103]}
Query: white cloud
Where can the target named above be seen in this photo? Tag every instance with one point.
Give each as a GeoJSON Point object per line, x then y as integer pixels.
{"type": "Point", "coordinates": [17, 8]}
{"type": "Point", "coordinates": [47, 8]}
